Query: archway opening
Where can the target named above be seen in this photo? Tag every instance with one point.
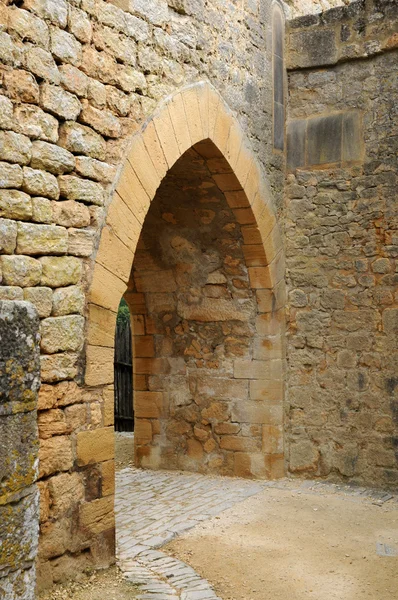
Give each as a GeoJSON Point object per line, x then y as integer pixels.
{"type": "Point", "coordinates": [206, 328]}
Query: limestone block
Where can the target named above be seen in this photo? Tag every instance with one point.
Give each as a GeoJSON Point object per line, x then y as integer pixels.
{"type": "Point", "coordinates": [66, 491]}
{"type": "Point", "coordinates": [324, 139]}
{"type": "Point", "coordinates": [41, 298]}
{"type": "Point", "coordinates": [65, 47]}
{"type": "Point", "coordinates": [131, 80]}
{"type": "Point", "coordinates": [22, 271]}
{"type": "Point", "coordinates": [51, 422]}
{"type": "Point", "coordinates": [214, 309]}
{"type": "Point", "coordinates": [55, 11]}
{"type": "Point", "coordinates": [10, 176]}
{"type": "Point", "coordinates": [21, 85]}
{"type": "Point", "coordinates": [155, 12]}
{"type": "Point", "coordinates": [11, 293]}
{"type": "Point", "coordinates": [35, 123]}
{"type": "Point", "coordinates": [95, 446]}
{"type": "Point", "coordinates": [98, 516]}
{"type": "Point", "coordinates": [60, 271]}
{"type": "Point", "coordinates": [75, 188]}
{"type": "Point", "coordinates": [136, 28]}
{"type": "Point", "coordinates": [19, 529]}
{"type": "Point", "coordinates": [71, 214]}
{"type": "Point", "coordinates": [41, 239]}
{"type": "Point", "coordinates": [55, 455]}
{"type": "Point", "coordinates": [62, 334]}
{"type": "Point", "coordinates": [79, 25]}
{"type": "Point", "coordinates": [6, 113]}
{"type": "Point", "coordinates": [42, 210]}
{"type": "Point", "coordinates": [59, 102]}
{"type": "Point", "coordinates": [80, 242]}
{"type": "Point", "coordinates": [102, 121]}
{"type": "Point", "coordinates": [73, 80]}
{"type": "Point", "coordinates": [95, 169]}
{"type": "Point", "coordinates": [68, 301]}
{"type": "Point", "coordinates": [310, 48]}
{"type": "Point", "coordinates": [29, 27]}
{"type": "Point", "coordinates": [99, 65]}
{"type": "Point", "coordinates": [40, 183]}
{"type": "Point", "coordinates": [99, 365]}
{"type": "Point", "coordinates": [117, 101]}
{"type": "Point", "coordinates": [10, 53]}
{"type": "Point", "coordinates": [49, 157]}
{"type": "Point", "coordinates": [8, 236]}
{"type": "Point", "coordinates": [96, 93]}
{"type": "Point", "coordinates": [238, 443]}
{"type": "Point", "coordinates": [148, 405]}
{"type": "Point", "coordinates": [118, 46]}
{"type": "Point", "coordinates": [15, 148]}
{"type": "Point", "coordinates": [41, 63]}
{"type": "Point", "coordinates": [58, 367]}
{"type": "Point", "coordinates": [82, 140]}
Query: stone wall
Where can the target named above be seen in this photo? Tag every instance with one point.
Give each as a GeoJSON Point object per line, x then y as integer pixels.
{"type": "Point", "coordinates": [207, 363]}
{"type": "Point", "coordinates": [341, 237]}
{"type": "Point", "coordinates": [19, 497]}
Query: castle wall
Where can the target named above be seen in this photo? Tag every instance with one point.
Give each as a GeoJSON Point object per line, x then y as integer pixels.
{"type": "Point", "coordinates": [341, 243]}
{"type": "Point", "coordinates": [78, 79]}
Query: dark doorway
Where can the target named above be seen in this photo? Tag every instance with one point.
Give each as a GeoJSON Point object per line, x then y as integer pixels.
{"type": "Point", "coordinates": [123, 363]}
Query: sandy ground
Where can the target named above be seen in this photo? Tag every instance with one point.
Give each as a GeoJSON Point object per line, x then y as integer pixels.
{"type": "Point", "coordinates": [124, 450]}
{"type": "Point", "coordinates": [102, 585]}
{"type": "Point", "coordinates": [289, 545]}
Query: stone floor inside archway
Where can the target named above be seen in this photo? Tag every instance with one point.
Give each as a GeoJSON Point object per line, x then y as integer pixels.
{"type": "Point", "coordinates": [194, 537]}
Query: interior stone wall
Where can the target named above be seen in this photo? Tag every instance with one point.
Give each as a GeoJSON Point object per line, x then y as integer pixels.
{"type": "Point", "coordinates": [196, 297]}
{"type": "Point", "coordinates": [341, 244]}
{"type": "Point", "coordinates": [19, 446]}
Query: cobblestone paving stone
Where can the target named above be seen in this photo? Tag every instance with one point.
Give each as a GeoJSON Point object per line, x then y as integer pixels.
{"type": "Point", "coordinates": [153, 507]}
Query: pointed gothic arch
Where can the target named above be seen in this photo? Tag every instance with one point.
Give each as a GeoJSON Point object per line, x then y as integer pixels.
{"type": "Point", "coordinates": [196, 116]}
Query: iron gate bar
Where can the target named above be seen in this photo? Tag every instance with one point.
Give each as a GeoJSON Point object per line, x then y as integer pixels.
{"type": "Point", "coordinates": [124, 409]}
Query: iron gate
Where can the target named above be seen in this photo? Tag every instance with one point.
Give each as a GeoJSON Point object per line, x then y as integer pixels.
{"type": "Point", "coordinates": [123, 363]}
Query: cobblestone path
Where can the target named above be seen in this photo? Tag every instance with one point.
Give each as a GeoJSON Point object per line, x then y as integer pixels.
{"type": "Point", "coordinates": [151, 508]}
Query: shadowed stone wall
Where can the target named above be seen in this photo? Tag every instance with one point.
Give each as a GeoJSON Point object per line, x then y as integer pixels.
{"type": "Point", "coordinates": [208, 381]}
{"type": "Point", "coordinates": [19, 497]}
{"type": "Point", "coordinates": [342, 244]}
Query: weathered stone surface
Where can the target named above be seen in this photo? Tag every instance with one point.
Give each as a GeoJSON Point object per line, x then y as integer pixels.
{"type": "Point", "coordinates": [29, 27]}
{"type": "Point", "coordinates": [71, 214]}
{"type": "Point", "coordinates": [95, 446]}
{"type": "Point", "coordinates": [10, 176]}
{"type": "Point", "coordinates": [65, 47]}
{"type": "Point", "coordinates": [214, 309]}
{"type": "Point", "coordinates": [60, 271]}
{"type": "Point", "coordinates": [20, 380]}
{"type": "Point", "coordinates": [23, 271]}
{"type": "Point", "coordinates": [55, 455]}
{"type": "Point", "coordinates": [40, 183]}
{"type": "Point", "coordinates": [95, 169]}
{"type": "Point", "coordinates": [41, 239]}
{"type": "Point", "coordinates": [73, 80]}
{"type": "Point", "coordinates": [59, 102]}
{"type": "Point", "coordinates": [15, 148]}
{"type": "Point", "coordinates": [80, 242]}
{"type": "Point", "coordinates": [102, 121]}
{"type": "Point", "coordinates": [8, 236]}
{"type": "Point", "coordinates": [55, 11]}
{"type": "Point", "coordinates": [42, 210]}
{"type": "Point", "coordinates": [21, 85]}
{"type": "Point", "coordinates": [79, 24]}
{"type": "Point", "coordinates": [35, 123]}
{"type": "Point", "coordinates": [41, 298]}
{"type": "Point", "coordinates": [58, 367]}
{"type": "Point", "coordinates": [41, 63]}
{"type": "Point", "coordinates": [11, 293]}
{"type": "Point", "coordinates": [67, 301]}
{"type": "Point", "coordinates": [80, 139]}
{"type": "Point", "coordinates": [51, 158]}
{"type": "Point", "coordinates": [62, 334]}
{"type": "Point", "coordinates": [74, 188]}
{"type": "Point", "coordinates": [6, 113]}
